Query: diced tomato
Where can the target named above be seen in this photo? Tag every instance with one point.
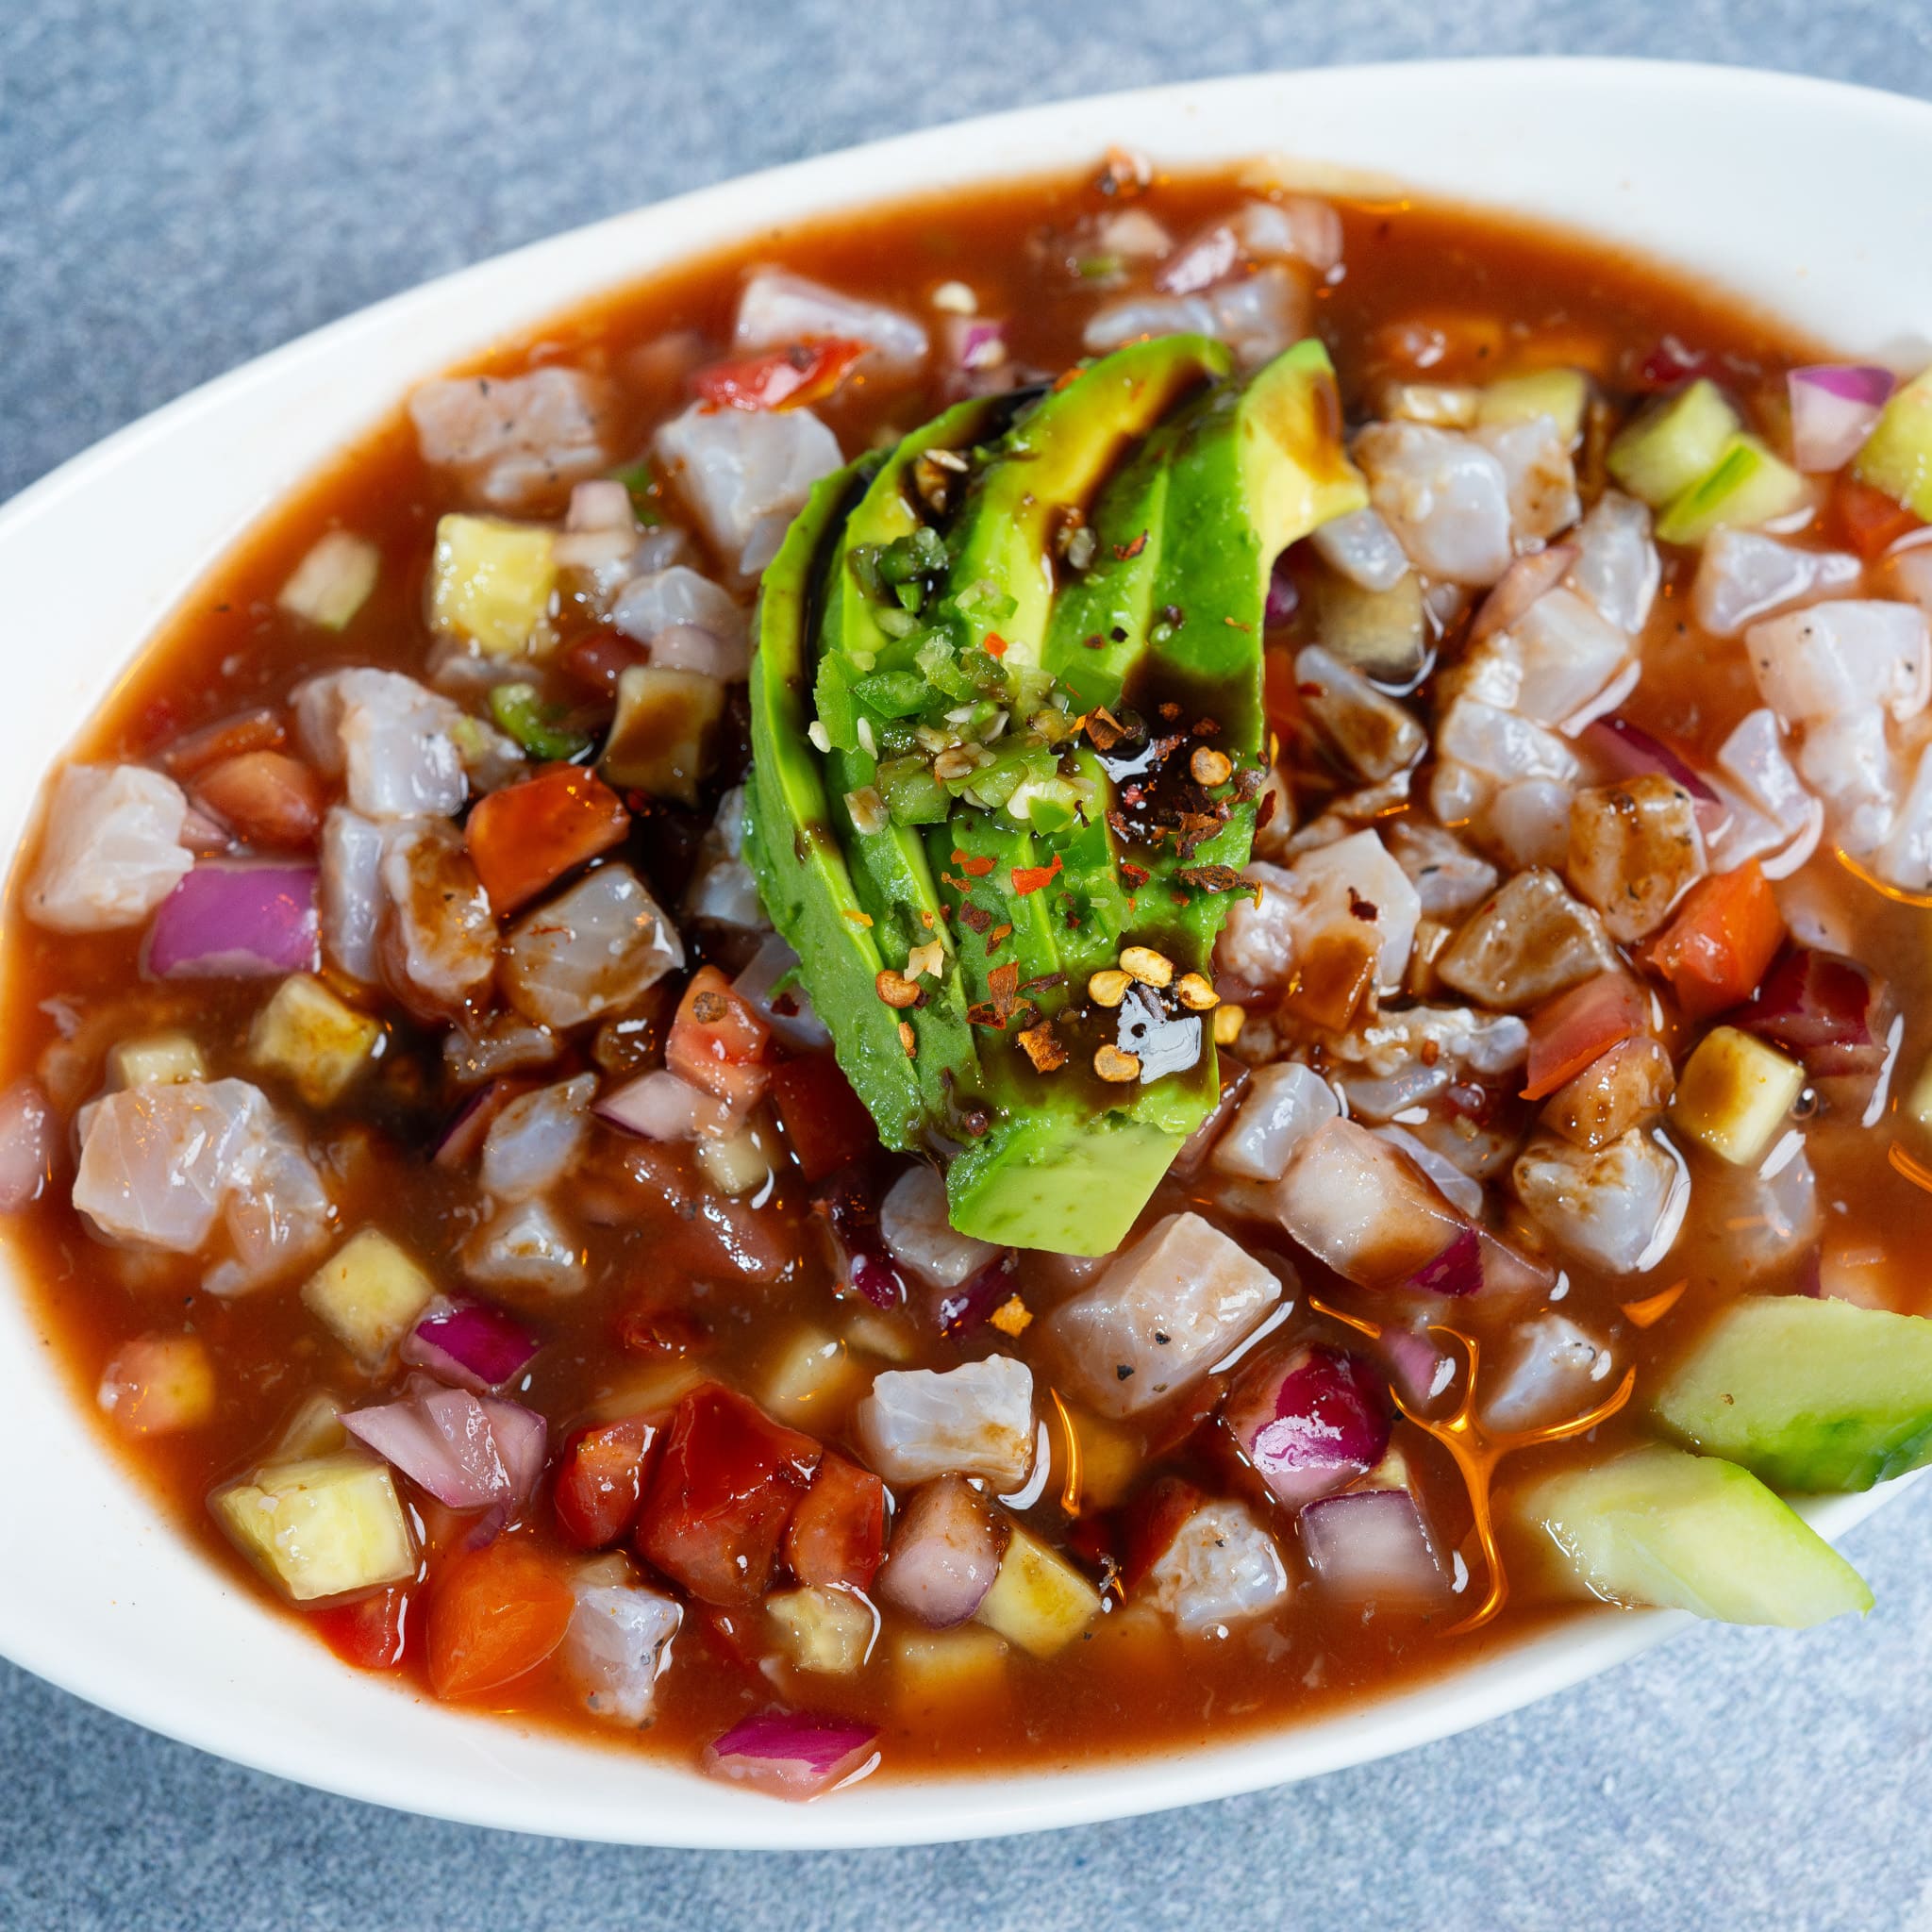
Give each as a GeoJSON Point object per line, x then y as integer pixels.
{"type": "Point", "coordinates": [600, 1480]}
{"type": "Point", "coordinates": [372, 1634]}
{"type": "Point", "coordinates": [825, 1122]}
{"type": "Point", "coordinates": [838, 1534]}
{"type": "Point", "coordinates": [529, 836]}
{"type": "Point", "coordinates": [718, 1040]}
{"type": "Point", "coordinates": [227, 737]}
{"type": "Point", "coordinates": [1867, 520]}
{"type": "Point", "coordinates": [726, 1486]}
{"type": "Point", "coordinates": [263, 797]}
{"type": "Point", "coordinates": [1576, 1028]}
{"type": "Point", "coordinates": [495, 1615]}
{"type": "Point", "coordinates": [600, 659]}
{"type": "Point", "coordinates": [1715, 951]}
{"type": "Point", "coordinates": [782, 379]}
{"type": "Point", "coordinates": [647, 1327]}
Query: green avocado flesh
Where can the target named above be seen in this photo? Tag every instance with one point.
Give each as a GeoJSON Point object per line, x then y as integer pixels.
{"type": "Point", "coordinates": [1809, 1395]}
{"type": "Point", "coordinates": [1657, 1527]}
{"type": "Point", "coordinates": [984, 659]}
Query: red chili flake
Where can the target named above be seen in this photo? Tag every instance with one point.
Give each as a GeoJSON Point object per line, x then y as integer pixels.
{"type": "Point", "coordinates": [1170, 710]}
{"type": "Point", "coordinates": [1213, 878]}
{"type": "Point", "coordinates": [1003, 983]}
{"type": "Point", "coordinates": [996, 939]}
{"type": "Point", "coordinates": [1207, 728]}
{"type": "Point", "coordinates": [1095, 642]}
{"type": "Point", "coordinates": [1123, 553]}
{"type": "Point", "coordinates": [1103, 730]}
{"type": "Point", "coordinates": [1030, 878]}
{"type": "Point", "coordinates": [1362, 909]}
{"type": "Point", "coordinates": [995, 645]}
{"type": "Point", "coordinates": [974, 868]}
{"type": "Point", "coordinates": [1135, 875]}
{"type": "Point", "coordinates": [1265, 816]}
{"type": "Point", "coordinates": [1067, 379]}
{"type": "Point", "coordinates": [1045, 983]}
{"type": "Point", "coordinates": [781, 380]}
{"type": "Point", "coordinates": [976, 916]}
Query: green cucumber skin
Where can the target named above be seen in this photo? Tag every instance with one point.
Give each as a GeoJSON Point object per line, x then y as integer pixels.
{"type": "Point", "coordinates": [1811, 1396]}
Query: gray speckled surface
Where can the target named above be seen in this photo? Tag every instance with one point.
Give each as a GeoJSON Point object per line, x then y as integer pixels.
{"type": "Point", "coordinates": [183, 185]}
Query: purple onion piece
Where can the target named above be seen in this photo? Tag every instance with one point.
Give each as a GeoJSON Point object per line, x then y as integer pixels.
{"type": "Point", "coordinates": [1284, 599]}
{"type": "Point", "coordinates": [945, 1556]}
{"type": "Point", "coordinates": [469, 1343]}
{"type": "Point", "coordinates": [1826, 1008]}
{"type": "Point", "coordinates": [850, 1212]}
{"type": "Point", "coordinates": [1456, 1271]}
{"type": "Point", "coordinates": [470, 1452]}
{"type": "Point", "coordinates": [963, 1309]}
{"type": "Point", "coordinates": [1833, 410]}
{"type": "Point", "coordinates": [1372, 1546]}
{"type": "Point", "coordinates": [236, 921]}
{"type": "Point", "coordinates": [790, 1754]}
{"type": "Point", "coordinates": [1851, 382]}
{"type": "Point", "coordinates": [1631, 752]}
{"type": "Point", "coordinates": [29, 1136]}
{"type": "Point", "coordinates": [1309, 1420]}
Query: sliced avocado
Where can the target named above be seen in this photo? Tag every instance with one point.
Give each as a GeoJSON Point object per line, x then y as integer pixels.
{"type": "Point", "coordinates": [1673, 442]}
{"type": "Point", "coordinates": [1682, 1532]}
{"type": "Point", "coordinates": [1053, 461]}
{"type": "Point", "coordinates": [945, 647]}
{"type": "Point", "coordinates": [1809, 1395]}
{"type": "Point", "coordinates": [1745, 487]}
{"type": "Point", "coordinates": [1897, 456]}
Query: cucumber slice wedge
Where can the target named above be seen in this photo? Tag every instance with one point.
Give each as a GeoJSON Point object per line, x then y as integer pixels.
{"type": "Point", "coordinates": [1673, 444]}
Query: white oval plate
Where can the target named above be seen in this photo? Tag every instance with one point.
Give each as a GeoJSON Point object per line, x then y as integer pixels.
{"type": "Point", "coordinates": [1813, 200]}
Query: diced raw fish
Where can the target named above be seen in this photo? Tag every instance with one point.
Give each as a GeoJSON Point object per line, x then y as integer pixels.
{"type": "Point", "coordinates": [778, 310]}
{"type": "Point", "coordinates": [1539, 475]}
{"type": "Point", "coordinates": [1621, 1208]}
{"type": "Point", "coordinates": [1446, 496]}
{"type": "Point", "coordinates": [615, 1644]}
{"type": "Point", "coordinates": [1164, 1312]}
{"type": "Point", "coordinates": [1567, 656]}
{"type": "Point", "coordinates": [1744, 574]}
{"type": "Point", "coordinates": [1546, 1371]}
{"type": "Point", "coordinates": [1377, 735]}
{"type": "Point", "coordinates": [525, 1247]}
{"type": "Point", "coordinates": [1450, 880]}
{"type": "Point", "coordinates": [591, 950]}
{"type": "Point", "coordinates": [536, 1140]}
{"type": "Point", "coordinates": [388, 738]}
{"type": "Point", "coordinates": [437, 942]}
{"type": "Point", "coordinates": [1529, 942]}
{"type": "Point", "coordinates": [1635, 850]}
{"type": "Point", "coordinates": [914, 1225]}
{"type": "Point", "coordinates": [514, 436]}
{"type": "Point", "coordinates": [679, 600]}
{"type": "Point", "coordinates": [112, 851]}
{"type": "Point", "coordinates": [1363, 548]}
{"type": "Point", "coordinates": [350, 891]}
{"type": "Point", "coordinates": [746, 473]}
{"type": "Point", "coordinates": [1221, 1568]}
{"type": "Point", "coordinates": [1617, 566]}
{"type": "Point", "coordinates": [976, 1419]}
{"type": "Point", "coordinates": [1283, 1102]}
{"type": "Point", "coordinates": [1841, 658]}
{"type": "Point", "coordinates": [1848, 761]}
{"type": "Point", "coordinates": [1527, 823]}
{"type": "Point", "coordinates": [1357, 1205]}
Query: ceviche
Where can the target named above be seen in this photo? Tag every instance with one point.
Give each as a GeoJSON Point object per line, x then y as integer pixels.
{"type": "Point", "coordinates": [1039, 975]}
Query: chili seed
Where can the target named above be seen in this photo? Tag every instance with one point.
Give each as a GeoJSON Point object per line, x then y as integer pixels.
{"type": "Point", "coordinates": [1149, 966]}
{"type": "Point", "coordinates": [896, 989]}
{"type": "Point", "coordinates": [1195, 994]}
{"type": "Point", "coordinates": [1108, 987]}
{"type": "Point", "coordinates": [908, 1038]}
{"type": "Point", "coordinates": [1210, 767]}
{"type": "Point", "coordinates": [1228, 1024]}
{"type": "Point", "coordinates": [1111, 1065]}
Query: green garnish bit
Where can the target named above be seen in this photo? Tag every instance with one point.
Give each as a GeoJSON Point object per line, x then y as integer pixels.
{"type": "Point", "coordinates": [521, 711]}
{"type": "Point", "coordinates": [641, 480]}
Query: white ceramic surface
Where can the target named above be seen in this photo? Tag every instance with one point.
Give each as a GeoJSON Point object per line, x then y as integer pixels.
{"type": "Point", "coordinates": [1814, 200]}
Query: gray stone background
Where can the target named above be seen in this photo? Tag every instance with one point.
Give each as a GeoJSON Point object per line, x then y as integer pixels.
{"type": "Point", "coordinates": [185, 183]}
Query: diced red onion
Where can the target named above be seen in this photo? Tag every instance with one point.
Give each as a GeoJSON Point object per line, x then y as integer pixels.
{"type": "Point", "coordinates": [963, 1309]}
{"type": "Point", "coordinates": [461, 1141]}
{"type": "Point", "coordinates": [201, 835]}
{"type": "Point", "coordinates": [1823, 1008]}
{"type": "Point", "coordinates": [1631, 752]}
{"type": "Point", "coordinates": [945, 1556]}
{"type": "Point", "coordinates": [1416, 1365]}
{"type": "Point", "coordinates": [27, 1138]}
{"type": "Point", "coordinates": [1372, 1546]}
{"type": "Point", "coordinates": [1284, 599]}
{"type": "Point", "coordinates": [469, 1451]}
{"type": "Point", "coordinates": [851, 1213]}
{"type": "Point", "coordinates": [1456, 1271]}
{"type": "Point", "coordinates": [790, 1754]}
{"type": "Point", "coordinates": [982, 344]}
{"type": "Point", "coordinates": [659, 1106]}
{"type": "Point", "coordinates": [1308, 1419]}
{"type": "Point", "coordinates": [1833, 408]}
{"type": "Point", "coordinates": [472, 1345]}
{"type": "Point", "coordinates": [1519, 587]}
{"type": "Point", "coordinates": [236, 921]}
{"type": "Point", "coordinates": [1508, 1272]}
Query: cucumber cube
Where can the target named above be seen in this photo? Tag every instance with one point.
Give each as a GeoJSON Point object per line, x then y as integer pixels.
{"type": "Point", "coordinates": [813, 1381]}
{"type": "Point", "coordinates": [1562, 394]}
{"type": "Point", "coordinates": [491, 582]}
{"type": "Point", "coordinates": [314, 1429]}
{"type": "Point", "coordinates": [1038, 1600]}
{"type": "Point", "coordinates": [319, 1043]}
{"type": "Point", "coordinates": [737, 1164]}
{"type": "Point", "coordinates": [156, 1059]}
{"type": "Point", "coordinates": [1808, 1394]}
{"type": "Point", "coordinates": [949, 1671]}
{"type": "Point", "coordinates": [666, 718]}
{"type": "Point", "coordinates": [1694, 1533]}
{"type": "Point", "coordinates": [368, 1295]}
{"type": "Point", "coordinates": [319, 1528]}
{"type": "Point", "coordinates": [1897, 456]}
{"type": "Point", "coordinates": [333, 581]}
{"type": "Point", "coordinates": [1747, 486]}
{"type": "Point", "coordinates": [1673, 444]}
{"type": "Point", "coordinates": [1734, 1093]}
{"type": "Point", "coordinates": [825, 1630]}
{"type": "Point", "coordinates": [158, 1385]}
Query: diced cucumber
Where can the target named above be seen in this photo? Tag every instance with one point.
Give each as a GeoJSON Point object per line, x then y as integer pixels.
{"type": "Point", "coordinates": [1039, 1600]}
{"type": "Point", "coordinates": [813, 1381]}
{"type": "Point", "coordinates": [314, 1429]}
{"type": "Point", "coordinates": [156, 1059]}
{"type": "Point", "coordinates": [949, 1670]}
{"type": "Point", "coordinates": [666, 718]}
{"type": "Point", "coordinates": [1746, 487]}
{"type": "Point", "coordinates": [825, 1630]}
{"type": "Point", "coordinates": [319, 1528]}
{"type": "Point", "coordinates": [1897, 456]}
{"type": "Point", "coordinates": [1734, 1093]}
{"type": "Point", "coordinates": [1437, 405]}
{"type": "Point", "coordinates": [1663, 1528]}
{"type": "Point", "coordinates": [317, 1040]}
{"type": "Point", "coordinates": [1673, 444]}
{"type": "Point", "coordinates": [1918, 1103]}
{"type": "Point", "coordinates": [737, 1164]}
{"type": "Point", "coordinates": [491, 582]}
{"type": "Point", "coordinates": [158, 1385]}
{"type": "Point", "coordinates": [1808, 1394]}
{"type": "Point", "coordinates": [1562, 394]}
{"type": "Point", "coordinates": [333, 581]}
{"type": "Point", "coordinates": [652, 1391]}
{"type": "Point", "coordinates": [369, 1295]}
{"type": "Point", "coordinates": [1112, 1458]}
